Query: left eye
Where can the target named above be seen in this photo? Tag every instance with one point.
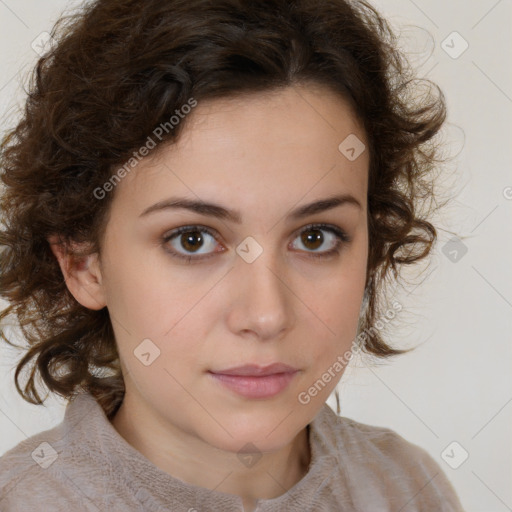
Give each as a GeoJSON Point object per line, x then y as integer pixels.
{"type": "Point", "coordinates": [312, 238]}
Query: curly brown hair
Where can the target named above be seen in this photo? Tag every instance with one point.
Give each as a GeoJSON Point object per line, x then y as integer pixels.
{"type": "Point", "coordinates": [120, 68]}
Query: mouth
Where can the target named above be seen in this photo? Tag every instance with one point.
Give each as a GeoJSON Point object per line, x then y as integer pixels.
{"type": "Point", "coordinates": [253, 381]}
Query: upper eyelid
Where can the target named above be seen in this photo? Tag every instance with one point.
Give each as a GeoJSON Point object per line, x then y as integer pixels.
{"type": "Point", "coordinates": [191, 227]}
{"type": "Point", "coordinates": [215, 233]}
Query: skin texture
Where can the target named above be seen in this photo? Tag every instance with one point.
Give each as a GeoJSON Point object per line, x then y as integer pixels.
{"type": "Point", "coordinates": [262, 155]}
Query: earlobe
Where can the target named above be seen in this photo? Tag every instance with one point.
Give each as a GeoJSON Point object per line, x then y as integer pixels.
{"type": "Point", "coordinates": [81, 271]}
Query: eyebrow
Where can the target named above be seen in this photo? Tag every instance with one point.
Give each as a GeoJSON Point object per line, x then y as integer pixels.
{"type": "Point", "coordinates": [220, 212]}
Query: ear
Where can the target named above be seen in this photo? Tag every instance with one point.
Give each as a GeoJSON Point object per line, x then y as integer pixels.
{"type": "Point", "coordinates": [82, 273]}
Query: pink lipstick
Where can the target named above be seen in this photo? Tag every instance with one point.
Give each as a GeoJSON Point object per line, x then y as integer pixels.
{"type": "Point", "coordinates": [253, 381]}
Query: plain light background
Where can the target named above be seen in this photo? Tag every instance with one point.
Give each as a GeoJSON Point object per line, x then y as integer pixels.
{"type": "Point", "coordinates": [456, 386]}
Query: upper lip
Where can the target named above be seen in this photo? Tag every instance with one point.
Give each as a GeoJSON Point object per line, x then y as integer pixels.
{"type": "Point", "coordinates": [257, 370]}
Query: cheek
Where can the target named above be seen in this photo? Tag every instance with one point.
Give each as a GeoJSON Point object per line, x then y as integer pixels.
{"type": "Point", "coordinates": [328, 348]}
{"type": "Point", "coordinates": [157, 315]}
{"type": "Point", "coordinates": [336, 305]}
{"type": "Point", "coordinates": [342, 305]}
{"type": "Point", "coordinates": [145, 298]}
{"type": "Point", "coordinates": [339, 296]}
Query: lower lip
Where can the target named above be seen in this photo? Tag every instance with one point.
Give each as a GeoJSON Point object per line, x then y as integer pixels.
{"type": "Point", "coordinates": [256, 387]}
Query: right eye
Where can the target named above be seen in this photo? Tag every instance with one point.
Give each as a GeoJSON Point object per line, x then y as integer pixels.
{"type": "Point", "coordinates": [187, 241]}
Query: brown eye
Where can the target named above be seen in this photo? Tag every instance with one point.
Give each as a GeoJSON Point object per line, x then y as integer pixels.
{"type": "Point", "coordinates": [312, 238]}
{"type": "Point", "coordinates": [316, 236]}
{"type": "Point", "coordinates": [191, 242]}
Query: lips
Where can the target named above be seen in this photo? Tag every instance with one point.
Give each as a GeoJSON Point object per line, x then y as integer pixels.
{"type": "Point", "coordinates": [254, 370]}
{"type": "Point", "coordinates": [254, 381]}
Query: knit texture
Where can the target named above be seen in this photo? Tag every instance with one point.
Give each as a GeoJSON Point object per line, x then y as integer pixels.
{"type": "Point", "coordinates": [83, 464]}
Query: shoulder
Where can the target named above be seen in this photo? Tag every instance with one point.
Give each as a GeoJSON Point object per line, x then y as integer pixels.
{"type": "Point", "coordinates": [43, 473]}
{"type": "Point", "coordinates": [347, 435]}
{"type": "Point", "coordinates": [26, 473]}
{"type": "Point", "coordinates": [387, 463]}
{"type": "Point", "coordinates": [379, 440]}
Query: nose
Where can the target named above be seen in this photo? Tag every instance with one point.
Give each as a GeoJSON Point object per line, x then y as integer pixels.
{"type": "Point", "coordinates": [260, 302]}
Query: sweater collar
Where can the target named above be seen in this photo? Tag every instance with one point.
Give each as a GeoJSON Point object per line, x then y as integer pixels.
{"type": "Point", "coordinates": [92, 437]}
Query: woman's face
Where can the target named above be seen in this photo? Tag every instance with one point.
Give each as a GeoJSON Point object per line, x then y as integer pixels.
{"type": "Point", "coordinates": [257, 285]}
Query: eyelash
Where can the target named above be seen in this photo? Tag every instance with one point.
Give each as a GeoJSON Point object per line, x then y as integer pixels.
{"type": "Point", "coordinates": [339, 233]}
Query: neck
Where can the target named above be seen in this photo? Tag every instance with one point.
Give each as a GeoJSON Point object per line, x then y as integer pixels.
{"type": "Point", "coordinates": [191, 460]}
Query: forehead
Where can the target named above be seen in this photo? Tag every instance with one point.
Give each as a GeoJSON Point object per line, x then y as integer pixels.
{"type": "Point", "coordinates": [274, 146]}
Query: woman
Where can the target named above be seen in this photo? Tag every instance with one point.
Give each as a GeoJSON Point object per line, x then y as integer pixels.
{"type": "Point", "coordinates": [202, 202]}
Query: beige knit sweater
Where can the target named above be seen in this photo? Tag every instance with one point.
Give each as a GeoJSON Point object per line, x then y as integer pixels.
{"type": "Point", "coordinates": [83, 464]}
